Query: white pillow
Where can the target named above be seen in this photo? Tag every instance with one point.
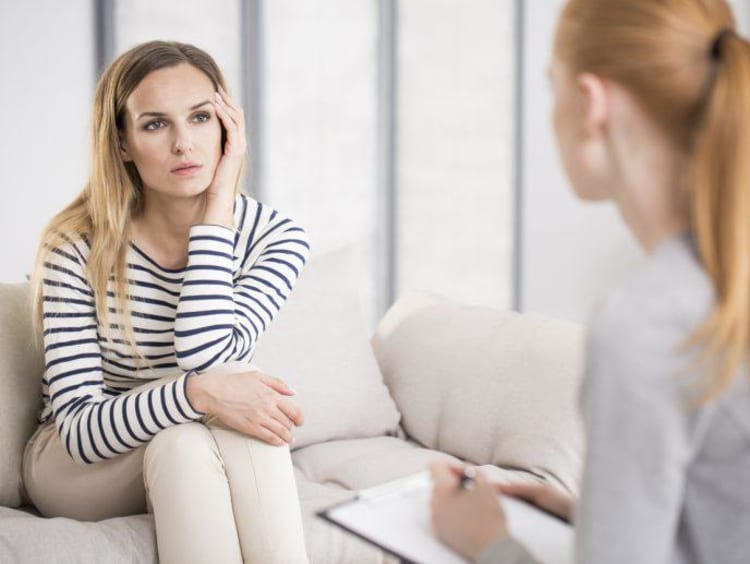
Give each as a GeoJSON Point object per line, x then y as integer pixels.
{"type": "Point", "coordinates": [486, 385]}
{"type": "Point", "coordinates": [319, 346]}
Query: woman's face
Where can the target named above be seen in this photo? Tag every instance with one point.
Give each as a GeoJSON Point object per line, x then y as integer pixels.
{"type": "Point", "coordinates": [172, 134]}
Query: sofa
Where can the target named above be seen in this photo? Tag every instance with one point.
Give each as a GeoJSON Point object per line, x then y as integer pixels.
{"type": "Point", "coordinates": [438, 379]}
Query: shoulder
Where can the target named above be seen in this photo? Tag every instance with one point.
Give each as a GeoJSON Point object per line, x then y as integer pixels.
{"type": "Point", "coordinates": [65, 265]}
{"type": "Point", "coordinates": [68, 251]}
{"type": "Point", "coordinates": [649, 319]}
{"type": "Point", "coordinates": [672, 293]}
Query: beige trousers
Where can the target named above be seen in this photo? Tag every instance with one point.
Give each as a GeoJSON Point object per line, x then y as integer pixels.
{"type": "Point", "coordinates": [217, 495]}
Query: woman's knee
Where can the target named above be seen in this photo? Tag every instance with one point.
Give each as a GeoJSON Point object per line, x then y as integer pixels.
{"type": "Point", "coordinates": [185, 447]}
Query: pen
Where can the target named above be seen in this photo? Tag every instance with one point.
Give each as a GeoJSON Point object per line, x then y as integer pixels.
{"type": "Point", "coordinates": [467, 478]}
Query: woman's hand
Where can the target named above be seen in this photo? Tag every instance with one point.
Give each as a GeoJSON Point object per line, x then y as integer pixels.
{"type": "Point", "coordinates": [468, 520]}
{"type": "Point", "coordinates": [252, 403]}
{"type": "Point", "coordinates": [542, 496]}
{"type": "Point", "coordinates": [220, 194]}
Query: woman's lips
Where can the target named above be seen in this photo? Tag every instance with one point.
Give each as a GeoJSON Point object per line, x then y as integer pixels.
{"type": "Point", "coordinates": [188, 170]}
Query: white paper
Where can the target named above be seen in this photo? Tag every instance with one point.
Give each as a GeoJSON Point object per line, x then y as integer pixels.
{"type": "Point", "coordinates": [397, 516]}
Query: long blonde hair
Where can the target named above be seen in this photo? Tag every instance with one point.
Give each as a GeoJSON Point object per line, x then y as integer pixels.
{"type": "Point", "coordinates": [690, 71]}
{"type": "Point", "coordinates": [102, 212]}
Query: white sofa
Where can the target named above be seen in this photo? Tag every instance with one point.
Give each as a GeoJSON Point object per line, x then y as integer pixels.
{"type": "Point", "coordinates": [438, 379]}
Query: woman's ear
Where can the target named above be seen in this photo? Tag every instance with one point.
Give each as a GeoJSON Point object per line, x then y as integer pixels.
{"type": "Point", "coordinates": [596, 110]}
{"type": "Point", "coordinates": [124, 148]}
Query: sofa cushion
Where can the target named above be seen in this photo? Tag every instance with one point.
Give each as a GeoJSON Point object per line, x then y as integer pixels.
{"type": "Point", "coordinates": [324, 542]}
{"type": "Point", "coordinates": [365, 463]}
{"type": "Point", "coordinates": [319, 346]}
{"type": "Point", "coordinates": [21, 367]}
{"type": "Point", "coordinates": [29, 538]}
{"type": "Point", "coordinates": [486, 385]}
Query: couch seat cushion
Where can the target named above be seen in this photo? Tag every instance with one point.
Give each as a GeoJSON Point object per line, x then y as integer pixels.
{"type": "Point", "coordinates": [364, 463]}
{"type": "Point", "coordinates": [325, 543]}
{"type": "Point", "coordinates": [25, 537]}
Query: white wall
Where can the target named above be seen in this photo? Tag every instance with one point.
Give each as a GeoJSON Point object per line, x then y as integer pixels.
{"type": "Point", "coordinates": [572, 252]}
{"type": "Point", "coordinates": [46, 65]}
{"type": "Point", "coordinates": [742, 13]}
{"type": "Point", "coordinates": [212, 25]}
{"type": "Point", "coordinates": [454, 157]}
{"type": "Point", "coordinates": [318, 154]}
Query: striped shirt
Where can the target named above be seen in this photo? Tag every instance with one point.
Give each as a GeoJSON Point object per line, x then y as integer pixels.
{"type": "Point", "coordinates": [189, 319]}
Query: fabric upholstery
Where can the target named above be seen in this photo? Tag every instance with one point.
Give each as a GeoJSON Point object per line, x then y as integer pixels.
{"type": "Point", "coordinates": [364, 463]}
{"type": "Point", "coordinates": [327, 544]}
{"type": "Point", "coordinates": [486, 385]}
{"type": "Point", "coordinates": [318, 344]}
{"type": "Point", "coordinates": [29, 538]}
{"type": "Point", "coordinates": [21, 367]}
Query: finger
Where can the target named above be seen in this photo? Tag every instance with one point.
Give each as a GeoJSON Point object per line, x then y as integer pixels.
{"type": "Point", "coordinates": [229, 123]}
{"type": "Point", "coordinates": [482, 481]}
{"type": "Point", "coordinates": [235, 113]}
{"type": "Point", "coordinates": [229, 126]}
{"type": "Point", "coordinates": [221, 103]}
{"type": "Point", "coordinates": [265, 435]}
{"type": "Point", "coordinates": [230, 103]}
{"type": "Point", "coordinates": [459, 469]}
{"type": "Point", "coordinates": [277, 429]}
{"type": "Point", "coordinates": [292, 411]}
{"type": "Point", "coordinates": [443, 476]}
{"type": "Point", "coordinates": [277, 384]}
{"type": "Point", "coordinates": [530, 492]}
{"type": "Point", "coordinates": [282, 418]}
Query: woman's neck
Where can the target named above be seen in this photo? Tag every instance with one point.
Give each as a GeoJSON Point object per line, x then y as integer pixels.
{"type": "Point", "coordinates": [162, 229]}
{"type": "Point", "coordinates": [649, 183]}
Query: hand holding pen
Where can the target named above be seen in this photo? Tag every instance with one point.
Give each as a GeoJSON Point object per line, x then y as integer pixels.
{"type": "Point", "coordinates": [466, 514]}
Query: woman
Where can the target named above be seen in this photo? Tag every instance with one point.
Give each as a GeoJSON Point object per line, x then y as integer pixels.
{"type": "Point", "coordinates": [652, 110]}
{"type": "Point", "coordinates": [149, 286]}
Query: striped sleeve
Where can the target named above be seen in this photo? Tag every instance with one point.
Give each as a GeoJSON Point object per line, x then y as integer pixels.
{"type": "Point", "coordinates": [222, 313]}
{"type": "Point", "coordinates": [92, 425]}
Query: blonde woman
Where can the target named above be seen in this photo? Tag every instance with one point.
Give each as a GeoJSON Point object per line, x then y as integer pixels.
{"type": "Point", "coordinates": [652, 110]}
{"type": "Point", "coordinates": [148, 286]}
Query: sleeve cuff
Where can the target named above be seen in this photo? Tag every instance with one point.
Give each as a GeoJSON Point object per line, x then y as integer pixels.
{"type": "Point", "coordinates": [211, 245]}
{"type": "Point", "coordinates": [182, 397]}
{"type": "Point", "coordinates": [507, 550]}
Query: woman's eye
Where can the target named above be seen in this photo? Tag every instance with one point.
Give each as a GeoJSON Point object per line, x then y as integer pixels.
{"type": "Point", "coordinates": [201, 117]}
{"type": "Point", "coordinates": [154, 125]}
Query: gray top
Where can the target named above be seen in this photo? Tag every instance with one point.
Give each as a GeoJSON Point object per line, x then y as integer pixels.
{"type": "Point", "coordinates": [665, 481]}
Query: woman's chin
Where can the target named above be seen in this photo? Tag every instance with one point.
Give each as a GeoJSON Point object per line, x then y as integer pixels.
{"type": "Point", "coordinates": [181, 190]}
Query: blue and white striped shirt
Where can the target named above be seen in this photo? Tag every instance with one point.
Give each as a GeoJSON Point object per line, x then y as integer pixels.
{"type": "Point", "coordinates": [210, 312]}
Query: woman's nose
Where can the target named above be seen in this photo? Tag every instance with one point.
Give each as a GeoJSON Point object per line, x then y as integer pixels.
{"type": "Point", "coordinates": [182, 142]}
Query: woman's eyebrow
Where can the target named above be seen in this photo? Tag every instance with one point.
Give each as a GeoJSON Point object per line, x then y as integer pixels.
{"type": "Point", "coordinates": [162, 114]}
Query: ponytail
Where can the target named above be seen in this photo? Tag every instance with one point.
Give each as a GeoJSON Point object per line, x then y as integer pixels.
{"type": "Point", "coordinates": [720, 205]}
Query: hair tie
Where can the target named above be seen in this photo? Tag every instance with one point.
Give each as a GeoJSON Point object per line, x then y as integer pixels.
{"type": "Point", "coordinates": [718, 41]}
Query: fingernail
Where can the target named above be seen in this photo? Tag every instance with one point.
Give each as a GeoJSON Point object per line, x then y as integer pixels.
{"type": "Point", "coordinates": [292, 390]}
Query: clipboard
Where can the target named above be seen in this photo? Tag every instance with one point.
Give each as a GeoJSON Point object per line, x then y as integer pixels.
{"type": "Point", "coordinates": [395, 517]}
